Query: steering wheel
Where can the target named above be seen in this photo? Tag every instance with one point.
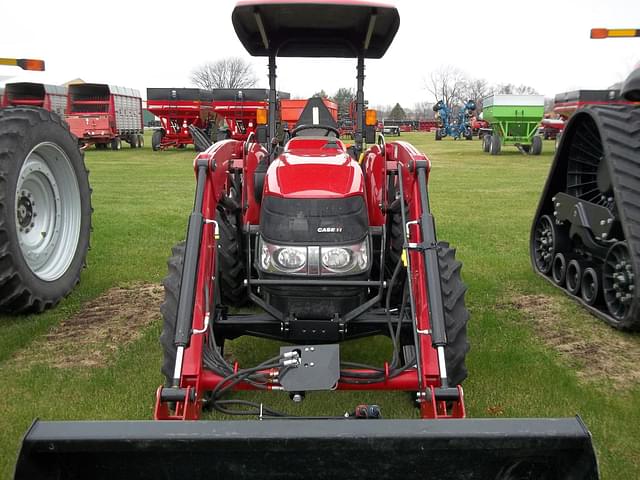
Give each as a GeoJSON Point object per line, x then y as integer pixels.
{"type": "Point", "coordinates": [328, 128]}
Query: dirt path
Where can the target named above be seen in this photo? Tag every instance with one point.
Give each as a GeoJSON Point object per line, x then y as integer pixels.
{"type": "Point", "coordinates": [597, 351]}
{"type": "Point", "coordinates": [95, 333]}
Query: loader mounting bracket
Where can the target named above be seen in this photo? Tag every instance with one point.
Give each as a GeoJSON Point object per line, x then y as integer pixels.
{"type": "Point", "coordinates": [316, 367]}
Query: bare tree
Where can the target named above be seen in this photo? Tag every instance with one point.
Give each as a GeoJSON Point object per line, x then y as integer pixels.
{"type": "Point", "coordinates": [423, 110]}
{"type": "Point", "coordinates": [447, 84]}
{"type": "Point", "coordinates": [476, 89]}
{"type": "Point", "coordinates": [510, 88]}
{"type": "Point", "coordinates": [232, 72]}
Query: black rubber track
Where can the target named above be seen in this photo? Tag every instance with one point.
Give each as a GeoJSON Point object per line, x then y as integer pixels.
{"type": "Point", "coordinates": [619, 129]}
{"type": "Point", "coordinates": [22, 129]}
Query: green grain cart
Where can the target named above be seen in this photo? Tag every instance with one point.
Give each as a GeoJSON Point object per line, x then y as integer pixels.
{"type": "Point", "coordinates": [514, 121]}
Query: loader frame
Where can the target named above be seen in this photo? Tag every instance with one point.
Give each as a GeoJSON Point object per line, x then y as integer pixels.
{"type": "Point", "coordinates": [428, 378]}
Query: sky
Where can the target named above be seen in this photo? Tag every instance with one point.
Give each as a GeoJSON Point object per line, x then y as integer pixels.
{"type": "Point", "coordinates": [139, 44]}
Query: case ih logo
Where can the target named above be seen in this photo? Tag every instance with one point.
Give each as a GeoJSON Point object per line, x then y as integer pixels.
{"type": "Point", "coordinates": [329, 229]}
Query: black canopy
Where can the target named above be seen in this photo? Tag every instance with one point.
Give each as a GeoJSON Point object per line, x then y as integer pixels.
{"type": "Point", "coordinates": [330, 28]}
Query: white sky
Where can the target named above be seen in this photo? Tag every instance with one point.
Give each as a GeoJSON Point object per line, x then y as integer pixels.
{"type": "Point", "coordinates": [139, 44]}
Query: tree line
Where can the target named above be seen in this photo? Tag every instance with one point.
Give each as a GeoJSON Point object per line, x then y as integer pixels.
{"type": "Point", "coordinates": [448, 84]}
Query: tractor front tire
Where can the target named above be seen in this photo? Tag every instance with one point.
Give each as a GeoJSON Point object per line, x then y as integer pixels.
{"type": "Point", "coordinates": [45, 210]}
{"type": "Point", "coordinates": [438, 135]}
{"type": "Point", "coordinates": [456, 315]}
{"type": "Point", "coordinates": [169, 309]}
{"type": "Point", "coordinates": [173, 281]}
{"type": "Point", "coordinates": [231, 271]}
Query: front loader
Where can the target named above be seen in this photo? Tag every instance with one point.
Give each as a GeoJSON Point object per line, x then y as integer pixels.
{"type": "Point", "coordinates": [331, 243]}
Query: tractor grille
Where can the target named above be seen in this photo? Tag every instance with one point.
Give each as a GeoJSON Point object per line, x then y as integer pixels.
{"type": "Point", "coordinates": [315, 221]}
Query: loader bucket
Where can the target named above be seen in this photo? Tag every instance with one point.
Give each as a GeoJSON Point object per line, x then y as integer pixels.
{"type": "Point", "coordinates": [287, 449]}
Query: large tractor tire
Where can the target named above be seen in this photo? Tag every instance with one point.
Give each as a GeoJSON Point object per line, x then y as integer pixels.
{"type": "Point", "coordinates": [45, 210]}
{"type": "Point", "coordinates": [453, 292]}
{"type": "Point", "coordinates": [169, 309]}
{"type": "Point", "coordinates": [456, 315]}
{"type": "Point", "coordinates": [232, 271]}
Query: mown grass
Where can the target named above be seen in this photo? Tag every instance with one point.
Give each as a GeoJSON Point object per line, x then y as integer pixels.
{"type": "Point", "coordinates": [483, 206]}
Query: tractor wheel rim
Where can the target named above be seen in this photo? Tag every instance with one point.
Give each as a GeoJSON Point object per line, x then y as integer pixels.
{"type": "Point", "coordinates": [544, 244]}
{"type": "Point", "coordinates": [48, 211]}
{"type": "Point", "coordinates": [618, 281]}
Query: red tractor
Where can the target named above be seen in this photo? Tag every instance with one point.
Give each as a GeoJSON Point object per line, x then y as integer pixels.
{"type": "Point", "coordinates": [332, 243]}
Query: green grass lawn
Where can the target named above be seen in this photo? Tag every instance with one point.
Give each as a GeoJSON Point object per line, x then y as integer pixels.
{"type": "Point", "coordinates": [483, 205]}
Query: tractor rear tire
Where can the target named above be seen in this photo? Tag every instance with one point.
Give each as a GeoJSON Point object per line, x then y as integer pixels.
{"type": "Point", "coordinates": [156, 140]}
{"type": "Point", "coordinates": [45, 210]}
{"type": "Point", "coordinates": [496, 145]}
{"type": "Point", "coordinates": [438, 135]}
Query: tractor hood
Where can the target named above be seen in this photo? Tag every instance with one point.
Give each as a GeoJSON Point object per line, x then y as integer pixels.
{"type": "Point", "coordinates": [314, 168]}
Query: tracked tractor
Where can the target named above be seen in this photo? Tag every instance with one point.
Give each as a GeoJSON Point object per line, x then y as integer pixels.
{"type": "Point", "coordinates": [584, 237]}
{"type": "Point", "coordinates": [329, 242]}
{"type": "Point", "coordinates": [45, 203]}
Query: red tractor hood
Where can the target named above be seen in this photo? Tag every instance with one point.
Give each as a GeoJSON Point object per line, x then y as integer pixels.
{"type": "Point", "coordinates": [314, 168]}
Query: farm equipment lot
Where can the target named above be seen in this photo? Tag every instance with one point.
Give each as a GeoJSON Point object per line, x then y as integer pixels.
{"type": "Point", "coordinates": [534, 352]}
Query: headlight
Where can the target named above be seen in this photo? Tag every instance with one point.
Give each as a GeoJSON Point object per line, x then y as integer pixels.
{"type": "Point", "coordinates": [336, 258]}
{"type": "Point", "coordinates": [290, 258]}
{"type": "Point", "coordinates": [276, 258]}
{"type": "Point", "coordinates": [331, 260]}
{"type": "Point", "coordinates": [351, 259]}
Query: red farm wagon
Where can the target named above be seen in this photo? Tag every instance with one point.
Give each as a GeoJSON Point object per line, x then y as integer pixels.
{"type": "Point", "coordinates": [178, 109]}
{"type": "Point", "coordinates": [49, 97]}
{"type": "Point", "coordinates": [239, 109]}
{"type": "Point", "coordinates": [105, 115]}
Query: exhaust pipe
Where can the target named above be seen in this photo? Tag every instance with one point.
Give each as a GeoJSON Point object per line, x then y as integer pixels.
{"type": "Point", "coordinates": [295, 449]}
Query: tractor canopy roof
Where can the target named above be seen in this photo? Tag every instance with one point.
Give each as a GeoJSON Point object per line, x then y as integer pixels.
{"type": "Point", "coordinates": [308, 28]}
